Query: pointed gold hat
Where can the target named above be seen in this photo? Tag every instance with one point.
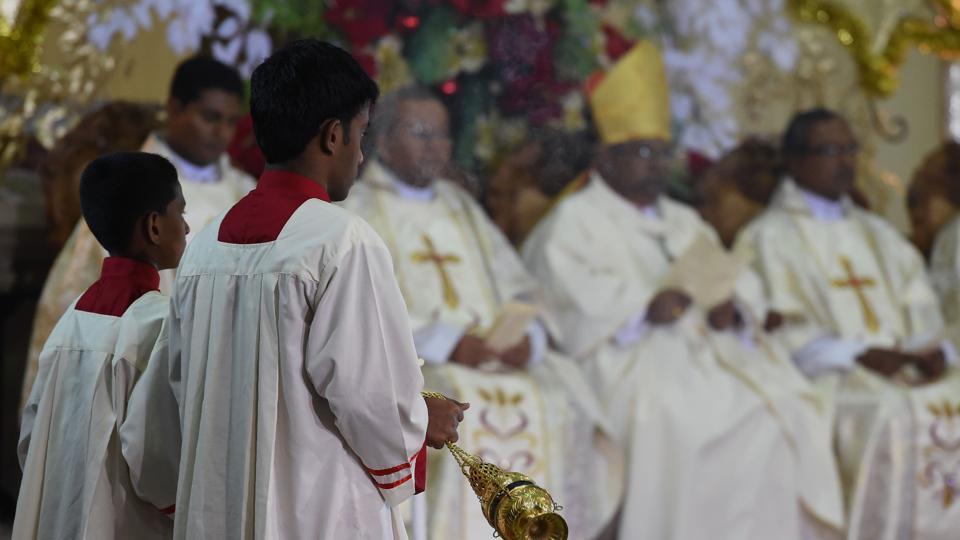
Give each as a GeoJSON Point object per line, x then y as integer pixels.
{"type": "Point", "coordinates": [631, 100]}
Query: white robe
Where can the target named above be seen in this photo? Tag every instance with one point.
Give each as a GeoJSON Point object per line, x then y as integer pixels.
{"type": "Point", "coordinates": [299, 384]}
{"type": "Point", "coordinates": [897, 447]}
{"type": "Point", "coordinates": [543, 420]}
{"type": "Point", "coordinates": [77, 265]}
{"type": "Point", "coordinates": [724, 438]}
{"type": "Point", "coordinates": [75, 482]}
{"type": "Point", "coordinates": [148, 419]}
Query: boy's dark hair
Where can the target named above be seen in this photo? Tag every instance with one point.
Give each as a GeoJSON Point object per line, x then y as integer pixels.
{"type": "Point", "coordinates": [796, 138]}
{"type": "Point", "coordinates": [199, 73]}
{"type": "Point", "coordinates": [118, 189]}
{"type": "Point", "coordinates": [298, 88]}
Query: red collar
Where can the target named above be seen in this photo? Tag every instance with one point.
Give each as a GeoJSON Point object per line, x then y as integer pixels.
{"type": "Point", "coordinates": [286, 181]}
{"type": "Point", "coordinates": [141, 274]}
{"type": "Point", "coordinates": [122, 281]}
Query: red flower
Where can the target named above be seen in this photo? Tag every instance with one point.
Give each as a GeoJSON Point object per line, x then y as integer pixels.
{"type": "Point", "coordinates": [367, 62]}
{"type": "Point", "coordinates": [617, 45]}
{"type": "Point", "coordinates": [361, 21]}
{"type": "Point", "coordinates": [481, 9]}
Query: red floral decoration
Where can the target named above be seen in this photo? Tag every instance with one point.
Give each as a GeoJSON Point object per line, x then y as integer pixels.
{"type": "Point", "coordinates": [361, 21]}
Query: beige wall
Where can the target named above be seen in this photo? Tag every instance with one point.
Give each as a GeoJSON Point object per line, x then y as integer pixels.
{"type": "Point", "coordinates": [920, 100]}
{"type": "Point", "coordinates": [143, 66]}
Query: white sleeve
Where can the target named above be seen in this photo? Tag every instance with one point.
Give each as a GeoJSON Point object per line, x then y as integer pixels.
{"type": "Point", "coordinates": [436, 342]}
{"type": "Point", "coordinates": [365, 366]}
{"type": "Point", "coordinates": [150, 433]}
{"type": "Point", "coordinates": [826, 354]}
{"type": "Point", "coordinates": [537, 334]}
{"type": "Point", "coordinates": [633, 331]}
{"type": "Point", "coordinates": [29, 417]}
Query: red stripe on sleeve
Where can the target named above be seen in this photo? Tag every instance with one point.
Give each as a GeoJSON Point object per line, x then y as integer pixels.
{"type": "Point", "coordinates": [391, 470]}
{"type": "Point", "coordinates": [392, 485]}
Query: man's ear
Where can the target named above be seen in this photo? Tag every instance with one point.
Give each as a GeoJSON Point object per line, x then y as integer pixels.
{"type": "Point", "coordinates": [173, 107]}
{"type": "Point", "coordinates": [152, 228]}
{"type": "Point", "coordinates": [331, 133]}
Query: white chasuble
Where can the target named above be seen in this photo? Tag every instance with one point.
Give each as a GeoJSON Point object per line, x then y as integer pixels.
{"type": "Point", "coordinates": [77, 265]}
{"type": "Point", "coordinates": [724, 438]}
{"type": "Point", "coordinates": [845, 280]}
{"type": "Point", "coordinates": [456, 271]}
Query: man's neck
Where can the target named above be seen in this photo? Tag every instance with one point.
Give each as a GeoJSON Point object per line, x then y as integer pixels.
{"type": "Point", "coordinates": [420, 191]}
{"type": "Point", "coordinates": [317, 174]}
{"type": "Point", "coordinates": [822, 207]}
{"type": "Point", "coordinates": [192, 171]}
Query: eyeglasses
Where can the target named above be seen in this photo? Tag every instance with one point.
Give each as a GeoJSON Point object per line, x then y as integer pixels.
{"type": "Point", "coordinates": [427, 135]}
{"type": "Point", "coordinates": [832, 150]}
{"type": "Point", "coordinates": [644, 151]}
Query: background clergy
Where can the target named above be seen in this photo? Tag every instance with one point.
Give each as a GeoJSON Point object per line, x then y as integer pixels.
{"type": "Point", "coordinates": [723, 437]}
{"type": "Point", "coordinates": [205, 103]}
{"type": "Point", "coordinates": [862, 319]}
{"type": "Point", "coordinates": [532, 411]}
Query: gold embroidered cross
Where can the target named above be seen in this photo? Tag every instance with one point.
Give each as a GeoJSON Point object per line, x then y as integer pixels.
{"type": "Point", "coordinates": [430, 255]}
{"type": "Point", "coordinates": [858, 284]}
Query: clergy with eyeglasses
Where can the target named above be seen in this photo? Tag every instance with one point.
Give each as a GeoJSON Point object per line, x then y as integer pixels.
{"type": "Point", "coordinates": [862, 320]}
{"type": "Point", "coordinates": [723, 436]}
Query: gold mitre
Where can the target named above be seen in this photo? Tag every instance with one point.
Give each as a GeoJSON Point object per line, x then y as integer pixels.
{"type": "Point", "coordinates": [631, 100]}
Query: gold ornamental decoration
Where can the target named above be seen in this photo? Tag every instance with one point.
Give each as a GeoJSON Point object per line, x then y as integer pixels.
{"type": "Point", "coordinates": [515, 506]}
{"type": "Point", "coordinates": [939, 34]}
{"type": "Point", "coordinates": [21, 32]}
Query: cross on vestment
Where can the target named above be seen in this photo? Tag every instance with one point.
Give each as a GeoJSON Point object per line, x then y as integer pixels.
{"type": "Point", "coordinates": [430, 255]}
{"type": "Point", "coordinates": [858, 284]}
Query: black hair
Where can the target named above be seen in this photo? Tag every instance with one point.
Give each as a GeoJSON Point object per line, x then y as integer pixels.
{"type": "Point", "coordinates": [563, 156]}
{"type": "Point", "coordinates": [116, 190]}
{"type": "Point", "coordinates": [298, 88]}
{"type": "Point", "coordinates": [199, 73]}
{"type": "Point", "coordinates": [796, 138]}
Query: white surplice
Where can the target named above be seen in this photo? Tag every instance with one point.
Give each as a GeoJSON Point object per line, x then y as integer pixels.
{"type": "Point", "coordinates": [75, 482]}
{"type": "Point", "coordinates": [207, 191]}
{"type": "Point", "coordinates": [724, 438]}
{"type": "Point", "coordinates": [456, 271]}
{"type": "Point", "coordinates": [846, 280]}
{"type": "Point", "coordinates": [148, 418]}
{"type": "Point", "coordinates": [298, 383]}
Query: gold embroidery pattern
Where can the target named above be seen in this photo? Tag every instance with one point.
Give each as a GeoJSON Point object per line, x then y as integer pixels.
{"type": "Point", "coordinates": [942, 456]}
{"type": "Point", "coordinates": [858, 284]}
{"type": "Point", "coordinates": [430, 255]}
{"type": "Point", "coordinates": [503, 422]}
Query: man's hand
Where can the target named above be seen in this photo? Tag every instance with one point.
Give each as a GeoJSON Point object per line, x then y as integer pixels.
{"type": "Point", "coordinates": [444, 415]}
{"type": "Point", "coordinates": [472, 351]}
{"type": "Point", "coordinates": [932, 364]}
{"type": "Point", "coordinates": [723, 316]}
{"type": "Point", "coordinates": [886, 362]}
{"type": "Point", "coordinates": [773, 321]}
{"type": "Point", "coordinates": [667, 306]}
{"type": "Point", "coordinates": [518, 355]}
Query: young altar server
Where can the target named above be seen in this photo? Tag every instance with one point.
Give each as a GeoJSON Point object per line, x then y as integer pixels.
{"type": "Point", "coordinates": [75, 481]}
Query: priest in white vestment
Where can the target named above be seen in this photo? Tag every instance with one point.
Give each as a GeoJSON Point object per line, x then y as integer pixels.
{"type": "Point", "coordinates": [532, 411]}
{"type": "Point", "coordinates": [862, 320]}
{"type": "Point", "coordinates": [291, 358]}
{"type": "Point", "coordinates": [204, 106]}
{"type": "Point", "coordinates": [724, 438]}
